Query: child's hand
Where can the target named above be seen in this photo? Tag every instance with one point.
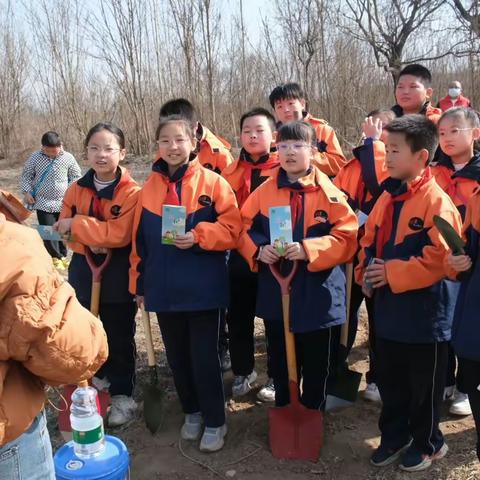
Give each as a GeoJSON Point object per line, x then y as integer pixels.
{"type": "Point", "coordinates": [185, 241]}
{"type": "Point", "coordinates": [295, 251]}
{"type": "Point", "coordinates": [372, 128]}
{"type": "Point", "coordinates": [140, 299]}
{"type": "Point", "coordinates": [63, 226]}
{"type": "Point", "coordinates": [28, 199]}
{"type": "Point", "coordinates": [460, 263]}
{"type": "Point", "coordinates": [268, 254]}
{"type": "Point", "coordinates": [375, 274]}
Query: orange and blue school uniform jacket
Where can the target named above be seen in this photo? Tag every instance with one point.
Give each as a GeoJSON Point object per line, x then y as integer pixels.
{"type": "Point", "coordinates": [428, 110]}
{"type": "Point", "coordinates": [459, 185]}
{"type": "Point", "coordinates": [327, 228]}
{"type": "Point", "coordinates": [466, 325]}
{"type": "Point", "coordinates": [417, 304]}
{"type": "Point", "coordinates": [362, 177]}
{"type": "Point", "coordinates": [194, 279]}
{"type": "Point", "coordinates": [101, 219]}
{"type": "Point", "coordinates": [213, 151]}
{"type": "Point", "coordinates": [330, 158]}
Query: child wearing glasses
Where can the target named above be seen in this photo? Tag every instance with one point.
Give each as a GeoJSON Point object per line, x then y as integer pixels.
{"type": "Point", "coordinates": [98, 212]}
{"type": "Point", "coordinates": [457, 171]}
{"type": "Point", "coordinates": [324, 233]}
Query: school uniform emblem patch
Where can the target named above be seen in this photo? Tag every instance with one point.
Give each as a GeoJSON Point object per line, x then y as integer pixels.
{"type": "Point", "coordinates": [321, 146]}
{"type": "Point", "coordinates": [115, 210]}
{"type": "Point", "coordinates": [208, 165]}
{"type": "Point", "coordinates": [415, 223]}
{"type": "Point", "coordinates": [321, 216]}
{"type": "Point", "coordinates": [204, 200]}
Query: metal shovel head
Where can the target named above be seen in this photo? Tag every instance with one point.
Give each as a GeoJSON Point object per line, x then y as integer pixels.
{"type": "Point", "coordinates": [153, 403]}
{"type": "Point", "coordinates": [453, 239]}
{"type": "Point", "coordinates": [296, 432]}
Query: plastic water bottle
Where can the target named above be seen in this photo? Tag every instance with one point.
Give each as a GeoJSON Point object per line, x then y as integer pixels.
{"type": "Point", "coordinates": [87, 423]}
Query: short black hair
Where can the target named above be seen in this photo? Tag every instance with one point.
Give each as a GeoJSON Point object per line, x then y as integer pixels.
{"type": "Point", "coordinates": [286, 91]}
{"type": "Point", "coordinates": [419, 71]}
{"type": "Point", "coordinates": [186, 123]}
{"type": "Point", "coordinates": [179, 106]}
{"type": "Point", "coordinates": [110, 127]}
{"type": "Point", "coordinates": [259, 111]}
{"type": "Point", "coordinates": [420, 133]}
{"type": "Point", "coordinates": [297, 130]}
{"type": "Point", "coordinates": [469, 114]}
{"type": "Point", "coordinates": [51, 139]}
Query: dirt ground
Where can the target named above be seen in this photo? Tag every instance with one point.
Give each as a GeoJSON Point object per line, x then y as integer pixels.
{"type": "Point", "coordinates": [350, 434]}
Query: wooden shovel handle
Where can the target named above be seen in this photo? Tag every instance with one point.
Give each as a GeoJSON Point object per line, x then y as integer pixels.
{"type": "Point", "coordinates": [148, 338]}
{"type": "Point", "coordinates": [345, 326]}
{"type": "Point", "coordinates": [95, 298]}
{"type": "Point", "coordinates": [97, 270]}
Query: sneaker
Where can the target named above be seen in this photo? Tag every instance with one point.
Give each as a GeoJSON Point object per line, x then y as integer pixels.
{"type": "Point", "coordinates": [66, 262]}
{"type": "Point", "coordinates": [372, 393]}
{"type": "Point", "coordinates": [213, 438]}
{"type": "Point", "coordinates": [225, 361]}
{"type": "Point", "coordinates": [267, 392]}
{"type": "Point", "coordinates": [448, 393]}
{"type": "Point", "coordinates": [101, 384]}
{"type": "Point", "coordinates": [242, 384]}
{"type": "Point", "coordinates": [384, 456]}
{"type": "Point", "coordinates": [122, 410]}
{"type": "Point", "coordinates": [415, 461]}
{"type": "Point", "coordinates": [192, 427]}
{"type": "Point", "coordinates": [460, 405]}
{"type": "Point", "coordinates": [58, 264]}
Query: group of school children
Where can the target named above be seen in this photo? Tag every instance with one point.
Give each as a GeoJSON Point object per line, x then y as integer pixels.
{"type": "Point", "coordinates": [404, 268]}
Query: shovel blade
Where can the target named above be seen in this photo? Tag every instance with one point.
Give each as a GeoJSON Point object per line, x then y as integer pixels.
{"type": "Point", "coordinates": [296, 432]}
{"type": "Point", "coordinates": [153, 407]}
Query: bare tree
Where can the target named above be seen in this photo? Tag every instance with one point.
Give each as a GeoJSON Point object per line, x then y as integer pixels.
{"type": "Point", "coordinates": [469, 16]}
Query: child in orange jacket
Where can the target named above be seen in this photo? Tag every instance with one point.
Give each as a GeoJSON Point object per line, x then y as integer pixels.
{"type": "Point", "coordinates": [324, 232]}
{"type": "Point", "coordinates": [401, 261]}
{"type": "Point", "coordinates": [255, 164]}
{"type": "Point", "coordinates": [413, 93]}
{"type": "Point", "coordinates": [361, 180]}
{"type": "Point", "coordinates": [457, 171]}
{"type": "Point", "coordinates": [289, 103]}
{"type": "Point", "coordinates": [186, 283]}
{"type": "Point", "coordinates": [97, 212]}
{"type": "Point", "coordinates": [213, 152]}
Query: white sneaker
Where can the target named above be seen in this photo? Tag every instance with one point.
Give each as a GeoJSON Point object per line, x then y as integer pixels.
{"type": "Point", "coordinates": [267, 392]}
{"type": "Point", "coordinates": [213, 438]}
{"type": "Point", "coordinates": [122, 410]}
{"type": "Point", "coordinates": [101, 384]}
{"type": "Point", "coordinates": [460, 405]}
{"type": "Point", "coordinates": [192, 427]}
{"type": "Point", "coordinates": [372, 393]}
{"type": "Point", "coordinates": [448, 393]}
{"type": "Point", "coordinates": [242, 385]}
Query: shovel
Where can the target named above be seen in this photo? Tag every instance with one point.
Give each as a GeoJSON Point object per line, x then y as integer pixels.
{"type": "Point", "coordinates": [103, 399]}
{"type": "Point", "coordinates": [152, 394]}
{"type": "Point", "coordinates": [344, 391]}
{"type": "Point", "coordinates": [295, 431]}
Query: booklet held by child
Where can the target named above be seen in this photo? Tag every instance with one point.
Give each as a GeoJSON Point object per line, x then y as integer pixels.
{"type": "Point", "coordinates": [280, 219]}
{"type": "Point", "coordinates": [173, 223]}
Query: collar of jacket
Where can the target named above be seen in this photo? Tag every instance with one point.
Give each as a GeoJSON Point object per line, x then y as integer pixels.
{"type": "Point", "coordinates": [398, 110]}
{"type": "Point", "coordinates": [161, 167]}
{"type": "Point", "coordinates": [309, 180]}
{"type": "Point", "coordinates": [471, 170]}
{"type": "Point", "coordinates": [396, 187]}
{"type": "Point", "coordinates": [86, 181]}
{"type": "Point", "coordinates": [246, 157]}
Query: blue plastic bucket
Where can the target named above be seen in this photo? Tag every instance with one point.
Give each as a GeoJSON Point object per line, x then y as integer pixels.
{"type": "Point", "coordinates": [112, 464]}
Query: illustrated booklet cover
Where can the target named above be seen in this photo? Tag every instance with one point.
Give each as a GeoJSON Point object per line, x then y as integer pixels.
{"type": "Point", "coordinates": [280, 219]}
{"type": "Point", "coordinates": [173, 223]}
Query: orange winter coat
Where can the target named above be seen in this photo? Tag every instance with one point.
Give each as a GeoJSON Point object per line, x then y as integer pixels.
{"type": "Point", "coordinates": [213, 151]}
{"type": "Point", "coordinates": [46, 336]}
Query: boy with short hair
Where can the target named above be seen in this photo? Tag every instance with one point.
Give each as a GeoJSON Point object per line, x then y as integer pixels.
{"type": "Point", "coordinates": [401, 261]}
{"type": "Point", "coordinates": [413, 93]}
{"type": "Point", "coordinates": [255, 165]}
{"type": "Point", "coordinates": [45, 178]}
{"type": "Point", "coordinates": [213, 151]}
{"type": "Point", "coordinates": [289, 104]}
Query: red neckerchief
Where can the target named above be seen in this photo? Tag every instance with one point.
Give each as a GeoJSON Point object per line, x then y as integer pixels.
{"type": "Point", "coordinates": [248, 166]}
{"type": "Point", "coordinates": [453, 189]}
{"type": "Point", "coordinates": [384, 231]}
{"type": "Point", "coordinates": [172, 196]}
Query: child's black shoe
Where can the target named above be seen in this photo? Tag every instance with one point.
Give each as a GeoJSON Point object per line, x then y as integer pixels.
{"type": "Point", "coordinates": [415, 461]}
{"type": "Point", "coordinates": [384, 456]}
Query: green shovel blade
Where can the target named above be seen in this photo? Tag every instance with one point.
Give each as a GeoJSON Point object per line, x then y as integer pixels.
{"type": "Point", "coordinates": [453, 239]}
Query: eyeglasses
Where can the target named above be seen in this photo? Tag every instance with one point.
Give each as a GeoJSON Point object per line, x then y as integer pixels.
{"type": "Point", "coordinates": [108, 150]}
{"type": "Point", "coordinates": [296, 147]}
{"type": "Point", "coordinates": [454, 131]}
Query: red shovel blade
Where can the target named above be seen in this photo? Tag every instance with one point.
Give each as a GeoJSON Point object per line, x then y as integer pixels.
{"type": "Point", "coordinates": [296, 432]}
